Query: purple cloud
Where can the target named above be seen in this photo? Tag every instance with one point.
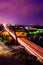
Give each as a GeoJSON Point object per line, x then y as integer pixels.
{"type": "Point", "coordinates": [22, 11]}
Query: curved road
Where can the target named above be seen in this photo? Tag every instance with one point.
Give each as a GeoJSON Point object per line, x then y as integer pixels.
{"type": "Point", "coordinates": [29, 46]}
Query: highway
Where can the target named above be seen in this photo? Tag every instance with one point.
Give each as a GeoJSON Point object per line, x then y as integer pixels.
{"type": "Point", "coordinates": [29, 46]}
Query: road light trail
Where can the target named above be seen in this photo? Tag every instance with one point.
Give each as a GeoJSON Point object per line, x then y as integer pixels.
{"type": "Point", "coordinates": [26, 45]}
{"type": "Point", "coordinates": [33, 45]}
{"type": "Point", "coordinates": [29, 48]}
{"type": "Point", "coordinates": [9, 32]}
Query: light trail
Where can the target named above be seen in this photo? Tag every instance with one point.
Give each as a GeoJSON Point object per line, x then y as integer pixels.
{"type": "Point", "coordinates": [29, 48]}
{"type": "Point", "coordinates": [4, 25]}
{"type": "Point", "coordinates": [9, 32]}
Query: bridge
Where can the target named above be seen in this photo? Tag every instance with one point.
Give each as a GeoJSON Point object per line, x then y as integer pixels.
{"type": "Point", "coordinates": [29, 46]}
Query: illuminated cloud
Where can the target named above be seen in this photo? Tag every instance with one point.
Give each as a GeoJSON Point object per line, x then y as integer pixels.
{"type": "Point", "coordinates": [22, 11]}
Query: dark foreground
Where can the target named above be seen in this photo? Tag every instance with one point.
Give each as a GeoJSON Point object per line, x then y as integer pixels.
{"type": "Point", "coordinates": [19, 57]}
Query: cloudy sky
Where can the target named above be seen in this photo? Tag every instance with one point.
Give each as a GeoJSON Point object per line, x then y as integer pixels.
{"type": "Point", "coordinates": [21, 11]}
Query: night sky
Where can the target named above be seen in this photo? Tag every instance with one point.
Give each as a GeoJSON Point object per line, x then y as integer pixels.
{"type": "Point", "coordinates": [21, 12]}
